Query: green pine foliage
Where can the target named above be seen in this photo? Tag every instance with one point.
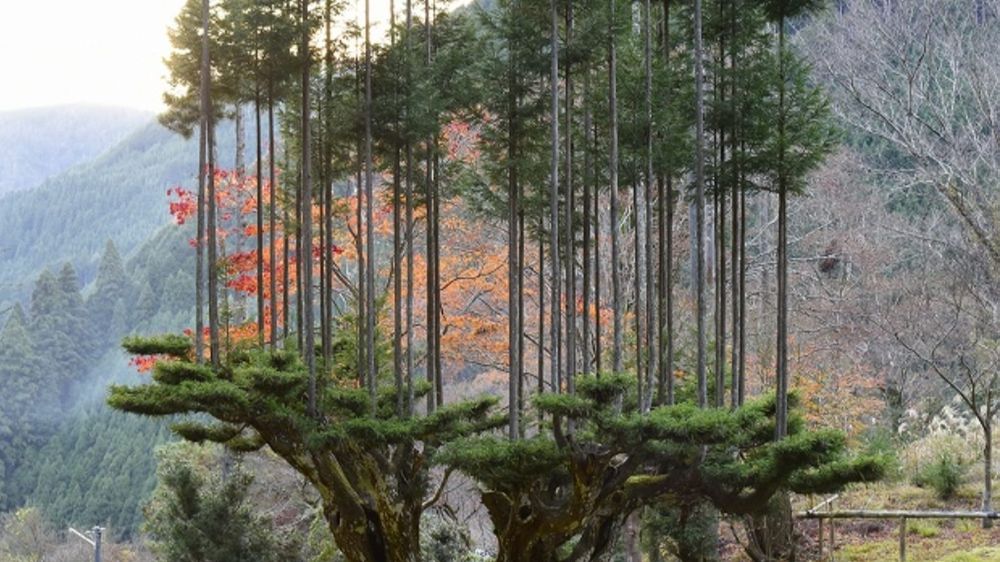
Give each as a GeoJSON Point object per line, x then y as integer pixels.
{"type": "Point", "coordinates": [200, 515]}
{"type": "Point", "coordinates": [22, 417]}
{"type": "Point", "coordinates": [368, 468]}
{"type": "Point", "coordinates": [603, 459]}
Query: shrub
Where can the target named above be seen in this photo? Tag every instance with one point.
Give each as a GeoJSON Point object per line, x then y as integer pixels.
{"type": "Point", "coordinates": [944, 475]}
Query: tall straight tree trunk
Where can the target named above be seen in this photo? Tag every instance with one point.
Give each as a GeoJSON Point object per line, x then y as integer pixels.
{"type": "Point", "coordinates": [432, 308]}
{"type": "Point", "coordinates": [208, 173]}
{"type": "Point", "coordinates": [409, 218]}
{"type": "Point", "coordinates": [743, 295]}
{"type": "Point", "coordinates": [588, 178]}
{"type": "Point", "coordinates": [652, 334]}
{"type": "Point", "coordinates": [199, 275]}
{"type": "Point", "coordinates": [666, 256]}
{"type": "Point", "coordinates": [597, 262]}
{"type": "Point", "coordinates": [438, 380]}
{"type": "Point", "coordinates": [239, 159]}
{"type": "Point", "coordinates": [541, 307]}
{"type": "Point", "coordinates": [260, 221]}
{"type": "Point", "coordinates": [308, 351]}
{"type": "Point", "coordinates": [638, 278]}
{"type": "Point", "coordinates": [513, 242]}
{"type": "Point", "coordinates": [520, 303]}
{"type": "Point", "coordinates": [272, 216]}
{"type": "Point", "coordinates": [213, 260]}
{"type": "Point", "coordinates": [370, 370]}
{"type": "Point", "coordinates": [616, 290]}
{"type": "Point", "coordinates": [736, 200]}
{"type": "Point", "coordinates": [438, 371]}
{"type": "Point", "coordinates": [397, 247]}
{"type": "Point", "coordinates": [359, 240]}
{"type": "Point", "coordinates": [699, 97]}
{"type": "Point", "coordinates": [571, 364]}
{"type": "Point", "coordinates": [328, 188]}
{"type": "Point", "coordinates": [720, 219]}
{"type": "Point", "coordinates": [556, 305]}
{"type": "Point", "coordinates": [781, 411]}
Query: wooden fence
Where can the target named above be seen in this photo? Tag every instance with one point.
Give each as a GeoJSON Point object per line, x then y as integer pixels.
{"type": "Point", "coordinates": [902, 515]}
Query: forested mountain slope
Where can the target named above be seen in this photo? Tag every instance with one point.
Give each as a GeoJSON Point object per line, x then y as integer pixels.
{"type": "Point", "coordinates": [61, 448]}
{"type": "Point", "coordinates": [120, 196]}
{"type": "Point", "coordinates": [38, 143]}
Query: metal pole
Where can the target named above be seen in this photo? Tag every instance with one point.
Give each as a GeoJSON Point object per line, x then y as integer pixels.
{"type": "Point", "coordinates": [97, 544]}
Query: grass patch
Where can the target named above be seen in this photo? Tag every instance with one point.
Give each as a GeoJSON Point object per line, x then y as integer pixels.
{"type": "Point", "coordinates": [926, 528]}
{"type": "Point", "coordinates": [983, 554]}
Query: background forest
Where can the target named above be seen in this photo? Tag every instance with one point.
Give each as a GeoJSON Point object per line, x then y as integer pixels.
{"type": "Point", "coordinates": [768, 227]}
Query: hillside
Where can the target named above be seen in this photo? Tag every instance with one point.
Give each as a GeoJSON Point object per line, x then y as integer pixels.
{"type": "Point", "coordinates": [119, 196]}
{"type": "Point", "coordinates": [39, 143]}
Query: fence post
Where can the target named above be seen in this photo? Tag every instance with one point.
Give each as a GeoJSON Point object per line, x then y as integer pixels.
{"type": "Point", "coordinates": [833, 544]}
{"type": "Point", "coordinates": [820, 538]}
{"type": "Point", "coordinates": [902, 539]}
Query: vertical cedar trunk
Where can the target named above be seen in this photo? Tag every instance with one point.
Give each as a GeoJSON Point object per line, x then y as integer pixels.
{"type": "Point", "coordinates": [432, 310]}
{"type": "Point", "coordinates": [260, 222]}
{"type": "Point", "coordinates": [239, 159]}
{"type": "Point", "coordinates": [781, 411]}
{"type": "Point", "coordinates": [287, 217]}
{"type": "Point", "coordinates": [209, 201]}
{"type": "Point", "coordinates": [397, 248]}
{"type": "Point", "coordinates": [308, 351]}
{"type": "Point", "coordinates": [571, 364]}
{"type": "Point", "coordinates": [328, 190]}
{"type": "Point", "coordinates": [213, 260]}
{"type": "Point", "coordinates": [520, 304]}
{"type": "Point", "coordinates": [438, 380]}
{"type": "Point", "coordinates": [639, 277]}
{"type": "Point", "coordinates": [743, 294]}
{"type": "Point", "coordinates": [597, 260]}
{"type": "Point", "coordinates": [299, 269]}
{"type": "Point", "coordinates": [616, 296]}
{"type": "Point", "coordinates": [541, 309]}
{"type": "Point", "coordinates": [670, 291]}
{"type": "Point", "coordinates": [359, 240]}
{"type": "Point", "coordinates": [285, 281]}
{"type": "Point", "coordinates": [588, 178]}
{"type": "Point", "coordinates": [370, 368]}
{"type": "Point", "coordinates": [556, 303]}
{"type": "Point", "coordinates": [720, 219]}
{"type": "Point", "coordinates": [409, 221]}
{"type": "Point", "coordinates": [699, 281]}
{"type": "Point", "coordinates": [667, 242]}
{"type": "Point", "coordinates": [652, 334]}
{"type": "Point", "coordinates": [272, 216]}
{"type": "Point", "coordinates": [736, 190]}
{"type": "Point", "coordinates": [199, 275]}
{"type": "Point", "coordinates": [513, 233]}
{"type": "Point", "coordinates": [735, 259]}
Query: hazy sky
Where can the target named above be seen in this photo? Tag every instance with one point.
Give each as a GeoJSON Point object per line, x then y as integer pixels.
{"type": "Point", "coordinates": [94, 51]}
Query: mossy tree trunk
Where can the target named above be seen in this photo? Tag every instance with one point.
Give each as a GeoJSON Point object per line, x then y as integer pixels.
{"type": "Point", "coordinates": [371, 506]}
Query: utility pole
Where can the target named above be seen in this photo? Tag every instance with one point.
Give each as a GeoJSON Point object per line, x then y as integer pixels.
{"type": "Point", "coordinates": [95, 542]}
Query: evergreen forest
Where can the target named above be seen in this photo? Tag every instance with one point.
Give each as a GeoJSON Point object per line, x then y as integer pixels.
{"type": "Point", "coordinates": [513, 281]}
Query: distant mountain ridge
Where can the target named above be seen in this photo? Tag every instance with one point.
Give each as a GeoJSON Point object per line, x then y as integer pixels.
{"type": "Point", "coordinates": [119, 196]}
{"type": "Point", "coordinates": [38, 143]}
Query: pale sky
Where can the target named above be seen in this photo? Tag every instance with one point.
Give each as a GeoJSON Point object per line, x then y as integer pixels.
{"type": "Point", "coordinates": [107, 52]}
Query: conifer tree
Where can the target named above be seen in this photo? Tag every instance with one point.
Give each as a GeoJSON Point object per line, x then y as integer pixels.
{"type": "Point", "coordinates": [110, 290]}
{"type": "Point", "coordinates": [25, 397]}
